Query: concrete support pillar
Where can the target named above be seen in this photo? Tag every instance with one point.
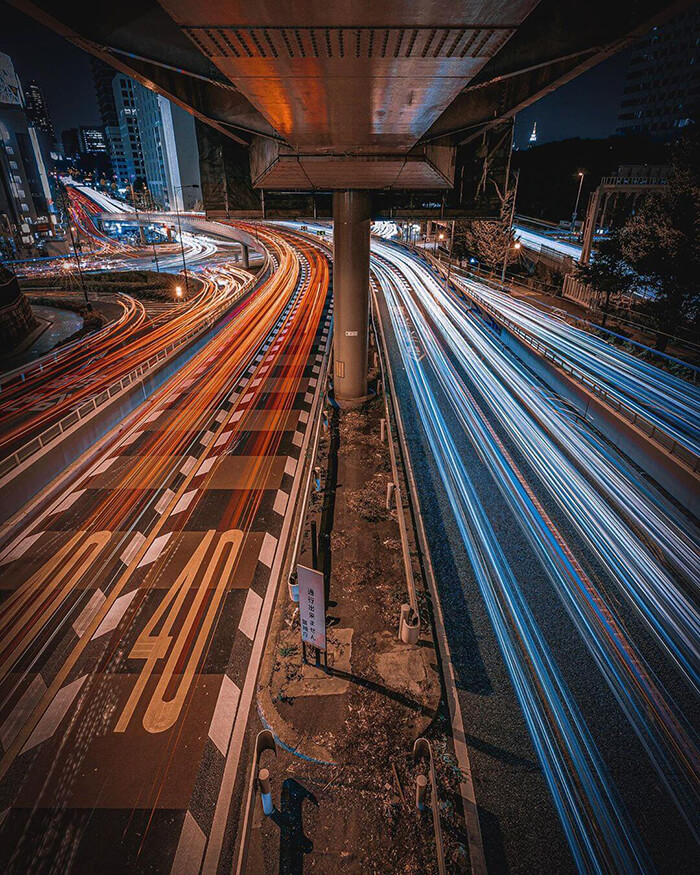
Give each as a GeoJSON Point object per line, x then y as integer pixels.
{"type": "Point", "coordinates": [245, 256]}
{"type": "Point", "coordinates": [351, 233]}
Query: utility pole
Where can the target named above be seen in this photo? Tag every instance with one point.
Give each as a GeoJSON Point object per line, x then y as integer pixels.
{"type": "Point", "coordinates": [181, 188]}
{"type": "Point", "coordinates": [66, 207]}
{"type": "Point", "coordinates": [510, 227]}
{"type": "Point", "coordinates": [581, 174]}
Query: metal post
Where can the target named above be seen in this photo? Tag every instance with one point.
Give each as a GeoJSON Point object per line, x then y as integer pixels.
{"type": "Point", "coordinates": [382, 430]}
{"type": "Point", "coordinates": [389, 494]}
{"type": "Point", "coordinates": [421, 792]}
{"type": "Point", "coordinates": [265, 792]}
{"type": "Point", "coordinates": [578, 197]}
{"type": "Point", "coordinates": [182, 248]}
{"type": "Point", "coordinates": [75, 252]}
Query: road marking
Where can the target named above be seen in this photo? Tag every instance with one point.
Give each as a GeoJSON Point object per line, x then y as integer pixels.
{"type": "Point", "coordinates": [153, 415]}
{"type": "Point", "coordinates": [19, 714]}
{"type": "Point", "coordinates": [223, 437]}
{"type": "Point", "coordinates": [190, 848]}
{"type": "Point", "coordinates": [54, 714]}
{"type": "Point", "coordinates": [130, 438]}
{"type": "Point", "coordinates": [224, 714]}
{"type": "Point", "coordinates": [134, 546]}
{"type": "Point", "coordinates": [207, 438]}
{"type": "Point", "coordinates": [304, 416]}
{"type": "Point", "coordinates": [101, 467]}
{"type": "Point", "coordinates": [67, 502]}
{"type": "Point", "coordinates": [267, 550]}
{"type": "Point", "coordinates": [190, 462]}
{"type": "Point", "coordinates": [297, 438]}
{"type": "Point", "coordinates": [20, 549]}
{"type": "Point", "coordinates": [221, 416]}
{"type": "Point", "coordinates": [290, 466]}
{"type": "Point", "coordinates": [280, 504]}
{"type": "Point", "coordinates": [236, 416]}
{"type": "Point", "coordinates": [155, 550]}
{"type": "Point", "coordinates": [206, 465]}
{"type": "Point", "coordinates": [114, 615]}
{"type": "Point", "coordinates": [165, 705]}
{"type": "Point", "coordinates": [251, 613]}
{"type": "Point", "coordinates": [246, 398]}
{"type": "Point", "coordinates": [164, 501]}
{"type": "Point", "coordinates": [88, 612]}
{"type": "Point", "coordinates": [184, 502]}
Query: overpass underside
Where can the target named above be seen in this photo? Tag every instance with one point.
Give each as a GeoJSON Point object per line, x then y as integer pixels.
{"type": "Point", "coordinates": [352, 110]}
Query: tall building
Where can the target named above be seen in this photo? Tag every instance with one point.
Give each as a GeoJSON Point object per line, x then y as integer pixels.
{"type": "Point", "coordinates": [103, 76]}
{"type": "Point", "coordinates": [663, 79]}
{"type": "Point", "coordinates": [149, 139]}
{"type": "Point", "coordinates": [26, 207]}
{"type": "Point", "coordinates": [37, 110]}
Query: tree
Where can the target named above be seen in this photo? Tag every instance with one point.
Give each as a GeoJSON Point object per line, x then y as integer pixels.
{"type": "Point", "coordinates": [662, 242]}
{"type": "Point", "coordinates": [608, 274]}
{"type": "Point", "coordinates": [489, 241]}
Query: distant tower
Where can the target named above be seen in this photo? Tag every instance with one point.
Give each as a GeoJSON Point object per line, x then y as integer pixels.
{"type": "Point", "coordinates": [533, 135]}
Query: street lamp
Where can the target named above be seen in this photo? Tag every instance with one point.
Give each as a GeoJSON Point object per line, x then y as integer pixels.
{"type": "Point", "coordinates": [178, 291]}
{"type": "Point", "coordinates": [181, 188]}
{"type": "Point", "coordinates": [581, 174]}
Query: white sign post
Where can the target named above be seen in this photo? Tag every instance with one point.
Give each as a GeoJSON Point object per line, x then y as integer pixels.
{"type": "Point", "coordinates": [312, 608]}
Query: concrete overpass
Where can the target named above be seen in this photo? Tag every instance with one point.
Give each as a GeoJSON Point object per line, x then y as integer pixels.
{"type": "Point", "coordinates": [352, 110]}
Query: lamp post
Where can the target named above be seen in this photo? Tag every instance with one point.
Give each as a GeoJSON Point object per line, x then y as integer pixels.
{"type": "Point", "coordinates": [66, 207]}
{"type": "Point", "coordinates": [181, 188]}
{"type": "Point", "coordinates": [581, 174]}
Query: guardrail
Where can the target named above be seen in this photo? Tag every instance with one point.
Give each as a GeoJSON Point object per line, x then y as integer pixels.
{"type": "Point", "coordinates": [87, 408]}
{"type": "Point", "coordinates": [665, 441]}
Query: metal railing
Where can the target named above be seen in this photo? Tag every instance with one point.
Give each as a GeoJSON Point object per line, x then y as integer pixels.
{"type": "Point", "coordinates": [105, 396]}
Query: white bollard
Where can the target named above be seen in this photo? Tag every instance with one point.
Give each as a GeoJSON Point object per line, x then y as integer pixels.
{"type": "Point", "coordinates": [389, 495]}
{"type": "Point", "coordinates": [382, 430]}
{"type": "Point", "coordinates": [265, 791]}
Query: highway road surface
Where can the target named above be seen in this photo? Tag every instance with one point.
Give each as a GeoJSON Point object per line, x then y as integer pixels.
{"type": "Point", "coordinates": [134, 601]}
{"type": "Point", "coordinates": [569, 585]}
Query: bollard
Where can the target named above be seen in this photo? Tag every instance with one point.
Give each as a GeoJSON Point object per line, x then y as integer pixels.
{"type": "Point", "coordinates": [389, 495]}
{"type": "Point", "coordinates": [293, 585]}
{"type": "Point", "coordinates": [376, 360]}
{"type": "Point", "coordinates": [317, 478]}
{"type": "Point", "coordinates": [382, 430]}
{"type": "Point", "coordinates": [421, 791]}
{"type": "Point", "coordinates": [380, 386]}
{"type": "Point", "coordinates": [404, 611]}
{"type": "Point", "coordinates": [410, 627]}
{"type": "Point", "coordinates": [266, 792]}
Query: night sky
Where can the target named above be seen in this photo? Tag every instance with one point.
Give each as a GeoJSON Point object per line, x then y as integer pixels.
{"type": "Point", "coordinates": [62, 69]}
{"type": "Point", "coordinates": [586, 107]}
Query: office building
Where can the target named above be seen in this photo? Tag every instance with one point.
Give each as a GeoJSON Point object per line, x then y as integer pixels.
{"type": "Point", "coordinates": [26, 207]}
{"type": "Point", "coordinates": [663, 79]}
{"type": "Point", "coordinates": [151, 141]}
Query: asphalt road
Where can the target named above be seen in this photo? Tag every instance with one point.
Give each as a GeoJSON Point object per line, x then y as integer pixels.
{"type": "Point", "coordinates": [578, 704]}
{"type": "Point", "coordinates": [133, 602]}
